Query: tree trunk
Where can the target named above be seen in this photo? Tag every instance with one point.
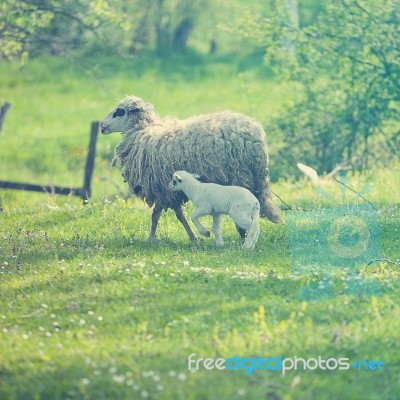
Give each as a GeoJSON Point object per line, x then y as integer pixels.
{"type": "Point", "coordinates": [162, 27]}
{"type": "Point", "coordinates": [142, 32]}
{"type": "Point", "coordinates": [213, 46]}
{"type": "Point", "coordinates": [181, 34]}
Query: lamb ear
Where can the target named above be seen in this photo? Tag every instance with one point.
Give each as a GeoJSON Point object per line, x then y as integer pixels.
{"type": "Point", "coordinates": [197, 176]}
{"type": "Point", "coordinates": [177, 176]}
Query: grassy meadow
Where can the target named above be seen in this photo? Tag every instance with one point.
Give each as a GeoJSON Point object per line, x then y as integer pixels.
{"type": "Point", "coordinates": [90, 310]}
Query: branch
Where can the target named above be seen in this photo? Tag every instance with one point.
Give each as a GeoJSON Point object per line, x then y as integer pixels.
{"type": "Point", "coordinates": [337, 169]}
{"type": "Point", "coordinates": [64, 13]}
{"type": "Point", "coordinates": [354, 191]}
{"type": "Point", "coordinates": [385, 259]}
{"type": "Point", "coordinates": [286, 204]}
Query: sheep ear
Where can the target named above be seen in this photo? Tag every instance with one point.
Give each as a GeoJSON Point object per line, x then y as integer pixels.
{"type": "Point", "coordinates": [134, 111]}
{"type": "Point", "coordinates": [197, 176]}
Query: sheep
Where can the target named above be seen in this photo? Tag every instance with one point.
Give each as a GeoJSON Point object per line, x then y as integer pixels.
{"type": "Point", "coordinates": [227, 148]}
{"type": "Point", "coordinates": [216, 200]}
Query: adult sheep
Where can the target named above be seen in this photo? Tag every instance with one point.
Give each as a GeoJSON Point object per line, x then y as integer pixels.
{"type": "Point", "coordinates": [226, 148]}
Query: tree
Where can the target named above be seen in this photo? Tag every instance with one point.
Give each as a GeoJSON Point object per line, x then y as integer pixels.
{"type": "Point", "coordinates": [167, 24]}
{"type": "Point", "coordinates": [347, 67]}
{"type": "Point", "coordinates": [30, 25]}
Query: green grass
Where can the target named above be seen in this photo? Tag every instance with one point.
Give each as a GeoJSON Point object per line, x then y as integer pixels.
{"type": "Point", "coordinates": [90, 310]}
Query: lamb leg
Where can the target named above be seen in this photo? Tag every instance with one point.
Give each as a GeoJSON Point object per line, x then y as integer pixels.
{"type": "Point", "coordinates": [199, 212]}
{"type": "Point", "coordinates": [242, 233]}
{"type": "Point", "coordinates": [216, 227]}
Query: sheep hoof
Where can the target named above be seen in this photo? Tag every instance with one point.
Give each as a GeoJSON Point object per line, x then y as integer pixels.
{"type": "Point", "coordinates": [207, 234]}
{"type": "Point", "coordinates": [152, 240]}
{"type": "Point", "coordinates": [194, 239]}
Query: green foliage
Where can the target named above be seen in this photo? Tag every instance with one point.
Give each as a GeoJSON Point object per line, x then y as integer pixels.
{"type": "Point", "coordinates": [123, 27]}
{"type": "Point", "coordinates": [19, 20]}
{"type": "Point", "coordinates": [347, 63]}
{"type": "Point", "coordinates": [52, 26]}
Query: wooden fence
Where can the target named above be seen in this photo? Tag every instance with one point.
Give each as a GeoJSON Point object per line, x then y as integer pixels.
{"type": "Point", "coordinates": [84, 192]}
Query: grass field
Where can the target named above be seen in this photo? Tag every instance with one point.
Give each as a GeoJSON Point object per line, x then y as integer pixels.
{"type": "Point", "coordinates": [90, 310]}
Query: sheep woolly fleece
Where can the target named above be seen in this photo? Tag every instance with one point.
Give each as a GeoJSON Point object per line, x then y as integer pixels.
{"type": "Point", "coordinates": [227, 148]}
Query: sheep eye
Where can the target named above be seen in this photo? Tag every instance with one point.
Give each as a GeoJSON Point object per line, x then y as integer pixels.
{"type": "Point", "coordinates": [119, 112]}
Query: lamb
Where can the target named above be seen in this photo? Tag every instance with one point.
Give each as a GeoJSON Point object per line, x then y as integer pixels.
{"type": "Point", "coordinates": [227, 148]}
{"type": "Point", "coordinates": [216, 200]}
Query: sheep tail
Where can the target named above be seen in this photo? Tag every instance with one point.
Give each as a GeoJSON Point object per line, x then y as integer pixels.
{"type": "Point", "coordinates": [267, 207]}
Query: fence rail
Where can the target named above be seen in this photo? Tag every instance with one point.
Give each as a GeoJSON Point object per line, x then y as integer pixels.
{"type": "Point", "coordinates": [84, 192]}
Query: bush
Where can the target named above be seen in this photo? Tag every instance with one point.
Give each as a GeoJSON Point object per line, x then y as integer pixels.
{"type": "Point", "coordinates": [347, 65]}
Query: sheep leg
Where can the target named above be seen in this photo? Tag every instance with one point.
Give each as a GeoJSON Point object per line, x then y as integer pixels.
{"type": "Point", "coordinates": [182, 220]}
{"type": "Point", "coordinates": [195, 219]}
{"type": "Point", "coordinates": [216, 227]}
{"type": "Point", "coordinates": [154, 221]}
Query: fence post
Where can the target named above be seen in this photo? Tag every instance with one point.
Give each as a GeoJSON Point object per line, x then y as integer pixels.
{"type": "Point", "coordinates": [86, 192]}
{"type": "Point", "coordinates": [3, 113]}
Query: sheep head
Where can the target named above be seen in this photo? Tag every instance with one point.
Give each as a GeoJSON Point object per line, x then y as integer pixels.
{"type": "Point", "coordinates": [131, 113]}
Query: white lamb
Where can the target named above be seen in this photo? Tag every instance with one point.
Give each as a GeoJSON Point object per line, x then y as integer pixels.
{"type": "Point", "coordinates": [215, 200]}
